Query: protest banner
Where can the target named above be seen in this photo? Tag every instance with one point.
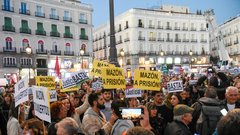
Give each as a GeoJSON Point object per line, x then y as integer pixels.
{"type": "Point", "coordinates": [79, 77]}
{"type": "Point", "coordinates": [174, 86]}
{"type": "Point", "coordinates": [41, 103]}
{"type": "Point", "coordinates": [97, 85]}
{"type": "Point", "coordinates": [53, 95]}
{"type": "Point", "coordinates": [130, 93]}
{"type": "Point", "coordinates": [97, 67]}
{"type": "Point", "coordinates": [68, 83]}
{"type": "Point", "coordinates": [46, 81]}
{"type": "Point", "coordinates": [113, 78]}
{"type": "Point", "coordinates": [21, 91]}
{"type": "Point", "coordinates": [147, 80]}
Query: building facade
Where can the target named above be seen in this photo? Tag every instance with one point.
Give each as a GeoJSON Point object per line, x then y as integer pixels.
{"type": "Point", "coordinates": [56, 28]}
{"type": "Point", "coordinates": [168, 35]}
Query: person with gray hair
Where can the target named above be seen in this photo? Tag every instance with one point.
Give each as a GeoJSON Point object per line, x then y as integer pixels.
{"type": "Point", "coordinates": [67, 126]}
{"type": "Point", "coordinates": [231, 102]}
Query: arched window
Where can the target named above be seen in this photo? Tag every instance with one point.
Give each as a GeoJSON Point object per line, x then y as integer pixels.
{"type": "Point", "coordinates": [8, 43]}
{"type": "Point", "coordinates": [25, 43]}
{"type": "Point", "coordinates": [55, 47]}
{"type": "Point", "coordinates": [68, 47]}
{"type": "Point", "coordinates": [41, 45]}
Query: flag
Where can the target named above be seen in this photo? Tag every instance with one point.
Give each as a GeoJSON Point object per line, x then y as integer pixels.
{"type": "Point", "coordinates": [57, 68]}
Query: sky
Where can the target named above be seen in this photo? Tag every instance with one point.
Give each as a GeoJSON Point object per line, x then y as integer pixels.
{"type": "Point", "coordinates": [224, 9]}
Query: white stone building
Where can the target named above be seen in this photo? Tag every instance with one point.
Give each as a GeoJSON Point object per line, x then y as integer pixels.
{"type": "Point", "coordinates": [51, 28]}
{"type": "Point", "coordinates": [152, 37]}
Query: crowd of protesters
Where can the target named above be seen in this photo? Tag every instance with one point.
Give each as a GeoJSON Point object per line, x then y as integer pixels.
{"type": "Point", "coordinates": [88, 112]}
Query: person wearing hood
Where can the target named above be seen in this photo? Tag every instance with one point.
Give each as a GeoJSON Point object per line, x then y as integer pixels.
{"type": "Point", "coordinates": [210, 98]}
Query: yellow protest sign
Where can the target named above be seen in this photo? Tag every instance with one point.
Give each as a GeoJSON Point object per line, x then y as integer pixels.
{"type": "Point", "coordinates": [113, 78]}
{"type": "Point", "coordinates": [74, 88]}
{"type": "Point", "coordinates": [97, 67]}
{"type": "Point", "coordinates": [46, 81]}
{"type": "Point", "coordinates": [147, 80]}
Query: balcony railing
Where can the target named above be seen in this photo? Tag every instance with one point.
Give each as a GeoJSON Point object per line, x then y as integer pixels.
{"type": "Point", "coordinates": [25, 30]}
{"type": "Point", "coordinates": [10, 64]}
{"type": "Point", "coordinates": [82, 21]}
{"type": "Point", "coordinates": [160, 27]}
{"type": "Point", "coordinates": [202, 29]}
{"type": "Point", "coordinates": [203, 41]}
{"type": "Point", "coordinates": [55, 17]}
{"type": "Point", "coordinates": [68, 19]}
{"type": "Point", "coordinates": [177, 28]}
{"type": "Point", "coordinates": [40, 14]}
{"type": "Point", "coordinates": [141, 25]}
{"type": "Point", "coordinates": [168, 27]}
{"type": "Point", "coordinates": [185, 29]}
{"type": "Point", "coordinates": [169, 40]}
{"type": "Point", "coordinates": [151, 26]}
{"type": "Point", "coordinates": [7, 8]}
{"type": "Point", "coordinates": [41, 51]}
{"type": "Point", "coordinates": [193, 29]}
{"type": "Point", "coordinates": [25, 12]}
{"type": "Point", "coordinates": [126, 39]}
{"type": "Point", "coordinates": [54, 34]}
{"type": "Point", "coordinates": [141, 38]}
{"type": "Point", "coordinates": [177, 40]}
{"type": "Point", "coordinates": [54, 52]}
{"type": "Point", "coordinates": [185, 40]}
{"type": "Point", "coordinates": [67, 35]}
{"type": "Point", "coordinates": [23, 50]}
{"type": "Point", "coordinates": [12, 49]}
{"type": "Point", "coordinates": [194, 40]}
{"type": "Point", "coordinates": [40, 32]}
{"type": "Point", "coordinates": [69, 53]}
{"type": "Point", "coordinates": [152, 39]}
{"type": "Point", "coordinates": [126, 27]}
{"type": "Point", "coordinates": [84, 37]}
{"type": "Point", "coordinates": [161, 39]}
{"type": "Point", "coordinates": [8, 28]}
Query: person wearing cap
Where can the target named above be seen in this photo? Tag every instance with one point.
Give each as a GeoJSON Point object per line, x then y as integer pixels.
{"type": "Point", "coordinates": [182, 117]}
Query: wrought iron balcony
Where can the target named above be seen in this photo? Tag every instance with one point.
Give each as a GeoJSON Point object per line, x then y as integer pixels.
{"type": "Point", "coordinates": [9, 49]}
{"type": "Point", "coordinates": [69, 53]}
{"type": "Point", "coordinates": [25, 30]}
{"type": "Point", "coordinates": [25, 12]}
{"type": "Point", "coordinates": [54, 52]}
{"type": "Point", "coordinates": [8, 28]}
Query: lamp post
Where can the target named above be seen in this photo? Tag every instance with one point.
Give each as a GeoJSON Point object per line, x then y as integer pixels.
{"type": "Point", "coordinates": [161, 52]}
{"type": "Point", "coordinates": [82, 53]}
{"type": "Point", "coordinates": [122, 55]}
{"type": "Point", "coordinates": [29, 52]}
{"type": "Point", "coordinates": [190, 54]}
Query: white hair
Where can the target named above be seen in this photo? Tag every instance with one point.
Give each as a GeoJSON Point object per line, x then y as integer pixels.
{"type": "Point", "coordinates": [178, 118]}
{"type": "Point", "coordinates": [231, 88]}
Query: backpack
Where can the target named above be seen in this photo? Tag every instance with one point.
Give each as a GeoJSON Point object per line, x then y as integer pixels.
{"type": "Point", "coordinates": [208, 119]}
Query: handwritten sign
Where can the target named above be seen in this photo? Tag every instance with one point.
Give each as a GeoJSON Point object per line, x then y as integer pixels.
{"type": "Point", "coordinates": [41, 103]}
{"type": "Point", "coordinates": [133, 93]}
{"type": "Point", "coordinates": [175, 86]}
{"type": "Point", "coordinates": [147, 80]}
{"type": "Point", "coordinates": [21, 91]}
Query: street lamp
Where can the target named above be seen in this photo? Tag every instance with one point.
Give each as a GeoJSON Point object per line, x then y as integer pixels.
{"type": "Point", "coordinates": [161, 52]}
{"type": "Point", "coordinates": [82, 53]}
{"type": "Point", "coordinates": [190, 54]}
{"type": "Point", "coordinates": [29, 52]}
{"type": "Point", "coordinates": [122, 55]}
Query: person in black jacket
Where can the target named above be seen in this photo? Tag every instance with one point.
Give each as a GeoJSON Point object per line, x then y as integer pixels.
{"type": "Point", "coordinates": [182, 117]}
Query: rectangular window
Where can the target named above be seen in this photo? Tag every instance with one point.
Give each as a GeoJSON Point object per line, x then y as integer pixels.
{"type": "Point", "coordinates": [66, 14]}
{"type": "Point", "coordinates": [54, 28]}
{"type": "Point", "coordinates": [7, 4]}
{"type": "Point", "coordinates": [7, 21]}
{"type": "Point", "coordinates": [82, 16]}
{"type": "Point", "coordinates": [9, 60]}
{"type": "Point", "coordinates": [67, 47]}
{"type": "Point", "coordinates": [39, 9]}
{"type": "Point", "coordinates": [53, 11]}
{"type": "Point", "coordinates": [40, 26]}
{"type": "Point", "coordinates": [67, 30]}
{"type": "Point", "coordinates": [83, 32]}
{"type": "Point", "coordinates": [25, 24]}
{"type": "Point", "coordinates": [23, 7]}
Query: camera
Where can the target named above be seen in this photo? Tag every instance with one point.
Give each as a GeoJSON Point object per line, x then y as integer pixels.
{"type": "Point", "coordinates": [131, 113]}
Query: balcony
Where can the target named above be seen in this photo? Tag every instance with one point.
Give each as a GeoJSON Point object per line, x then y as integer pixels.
{"type": "Point", "coordinates": [54, 34]}
{"type": "Point", "coordinates": [126, 40]}
{"type": "Point", "coordinates": [69, 53]}
{"type": "Point", "coordinates": [185, 40]}
{"type": "Point", "coordinates": [140, 25]}
{"type": "Point", "coordinates": [7, 8]}
{"type": "Point", "coordinates": [193, 29]}
{"type": "Point", "coordinates": [235, 42]}
{"type": "Point", "coordinates": [67, 35]}
{"type": "Point", "coordinates": [40, 32]}
{"type": "Point", "coordinates": [8, 28]}
{"type": "Point", "coordinates": [55, 52]}
{"type": "Point", "coordinates": [41, 51]}
{"type": "Point", "coordinates": [25, 12]}
{"type": "Point", "coordinates": [40, 14]}
{"type": "Point", "coordinates": [152, 39]}
{"type": "Point", "coordinates": [11, 50]}
{"type": "Point", "coordinates": [25, 30]}
{"type": "Point", "coordinates": [83, 37]}
{"type": "Point", "coordinates": [142, 53]}
{"type": "Point", "coordinates": [169, 40]}
{"type": "Point", "coordinates": [161, 39]}
{"type": "Point", "coordinates": [203, 41]}
{"type": "Point", "coordinates": [160, 27]}
{"type": "Point", "coordinates": [68, 19]}
{"type": "Point", "coordinates": [194, 40]}
{"type": "Point", "coordinates": [202, 29]}
{"type": "Point", "coordinates": [83, 21]}
{"type": "Point", "coordinates": [54, 17]}
{"type": "Point", "coordinates": [177, 40]}
{"type": "Point", "coordinates": [23, 50]}
{"type": "Point", "coordinates": [168, 28]}
{"type": "Point", "coordinates": [10, 64]}
{"type": "Point", "coordinates": [126, 27]}
{"type": "Point", "coordinates": [169, 52]}
{"type": "Point", "coordinates": [151, 27]}
{"type": "Point", "coordinates": [185, 29]}
{"type": "Point", "coordinates": [141, 38]}
{"type": "Point", "coordinates": [177, 28]}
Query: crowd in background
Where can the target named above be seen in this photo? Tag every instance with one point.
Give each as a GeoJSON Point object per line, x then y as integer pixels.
{"type": "Point", "coordinates": [97, 112]}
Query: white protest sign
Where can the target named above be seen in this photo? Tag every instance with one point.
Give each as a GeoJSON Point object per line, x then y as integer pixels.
{"type": "Point", "coordinates": [174, 86]}
{"type": "Point", "coordinates": [68, 83]}
{"type": "Point", "coordinates": [133, 93]}
{"type": "Point", "coordinates": [192, 82]}
{"type": "Point", "coordinates": [53, 95]}
{"type": "Point", "coordinates": [41, 103]}
{"type": "Point", "coordinates": [79, 77]}
{"type": "Point", "coordinates": [97, 85]}
{"type": "Point", "coordinates": [21, 91]}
